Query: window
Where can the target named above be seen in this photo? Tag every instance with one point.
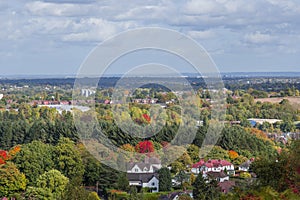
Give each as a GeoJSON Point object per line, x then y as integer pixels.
{"type": "Point", "coordinates": [153, 184]}
{"type": "Point", "coordinates": [136, 170]}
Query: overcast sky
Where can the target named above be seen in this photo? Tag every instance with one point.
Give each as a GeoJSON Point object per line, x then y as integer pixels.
{"type": "Point", "coordinates": [55, 36]}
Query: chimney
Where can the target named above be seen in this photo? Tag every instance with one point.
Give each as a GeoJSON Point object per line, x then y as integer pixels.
{"type": "Point", "coordinates": [146, 160]}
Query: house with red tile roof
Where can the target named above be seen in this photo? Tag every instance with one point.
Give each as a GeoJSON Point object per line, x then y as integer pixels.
{"type": "Point", "coordinates": [213, 166]}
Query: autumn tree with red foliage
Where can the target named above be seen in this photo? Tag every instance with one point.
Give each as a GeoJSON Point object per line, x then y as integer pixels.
{"type": "Point", "coordinates": [4, 156]}
{"type": "Point", "coordinates": [147, 118]}
{"type": "Point", "coordinates": [144, 147]}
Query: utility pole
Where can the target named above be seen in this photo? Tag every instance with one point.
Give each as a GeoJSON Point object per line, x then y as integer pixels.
{"type": "Point", "coordinates": [97, 186]}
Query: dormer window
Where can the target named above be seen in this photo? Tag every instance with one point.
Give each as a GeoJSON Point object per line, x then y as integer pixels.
{"type": "Point", "coordinates": [136, 170]}
{"type": "Point", "coordinates": [145, 169]}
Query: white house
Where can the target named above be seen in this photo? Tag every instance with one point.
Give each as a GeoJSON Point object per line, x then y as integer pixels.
{"type": "Point", "coordinates": [218, 176]}
{"type": "Point", "coordinates": [144, 174]}
{"type": "Point", "coordinates": [150, 165]}
{"type": "Point", "coordinates": [245, 166]}
{"type": "Point", "coordinates": [144, 180]}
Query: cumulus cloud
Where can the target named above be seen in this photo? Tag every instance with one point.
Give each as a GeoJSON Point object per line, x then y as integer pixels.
{"type": "Point", "coordinates": [225, 26]}
{"type": "Point", "coordinates": [98, 30]}
{"type": "Point", "coordinates": [71, 1]}
{"type": "Point", "coordinates": [206, 34]}
{"type": "Point", "coordinates": [53, 9]}
{"type": "Point", "coordinates": [259, 38]}
{"type": "Point", "coordinates": [201, 7]}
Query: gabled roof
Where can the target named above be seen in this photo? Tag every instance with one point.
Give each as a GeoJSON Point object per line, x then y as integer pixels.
{"type": "Point", "coordinates": [217, 174]}
{"type": "Point", "coordinates": [140, 165]}
{"type": "Point", "coordinates": [226, 185]}
{"type": "Point", "coordinates": [148, 162]}
{"type": "Point", "coordinates": [198, 164]}
{"type": "Point", "coordinates": [144, 178]}
{"type": "Point", "coordinates": [245, 164]}
{"type": "Point", "coordinates": [154, 161]}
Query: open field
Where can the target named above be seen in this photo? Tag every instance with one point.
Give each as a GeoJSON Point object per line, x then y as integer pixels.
{"type": "Point", "coordinates": [295, 101]}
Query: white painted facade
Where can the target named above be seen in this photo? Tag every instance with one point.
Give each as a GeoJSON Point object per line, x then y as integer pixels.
{"type": "Point", "coordinates": [153, 183]}
{"type": "Point", "coordinates": [205, 169]}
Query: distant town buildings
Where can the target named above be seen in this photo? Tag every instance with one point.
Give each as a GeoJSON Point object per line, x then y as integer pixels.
{"type": "Point", "coordinates": [254, 121]}
{"type": "Point", "coordinates": [87, 92]}
{"type": "Point", "coordinates": [61, 107]}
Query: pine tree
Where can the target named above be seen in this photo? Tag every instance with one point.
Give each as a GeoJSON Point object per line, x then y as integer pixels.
{"type": "Point", "coordinates": [165, 179]}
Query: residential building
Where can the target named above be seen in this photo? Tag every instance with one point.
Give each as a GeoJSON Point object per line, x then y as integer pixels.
{"type": "Point", "coordinates": [144, 174]}
{"type": "Point", "coordinates": [218, 176]}
{"type": "Point", "coordinates": [213, 166]}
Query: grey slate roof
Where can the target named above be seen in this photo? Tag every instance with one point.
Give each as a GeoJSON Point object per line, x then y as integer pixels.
{"type": "Point", "coordinates": [140, 165]}
{"type": "Point", "coordinates": [144, 178]}
{"type": "Point", "coordinates": [217, 174]}
{"type": "Point", "coordinates": [245, 164]}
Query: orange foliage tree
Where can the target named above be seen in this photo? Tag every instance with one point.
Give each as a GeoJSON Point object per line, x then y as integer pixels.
{"type": "Point", "coordinates": [233, 154]}
{"type": "Point", "coordinates": [128, 147]}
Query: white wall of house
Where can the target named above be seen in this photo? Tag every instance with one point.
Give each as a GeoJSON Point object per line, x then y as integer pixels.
{"type": "Point", "coordinates": [213, 169]}
{"type": "Point", "coordinates": [245, 169]}
{"type": "Point", "coordinates": [153, 183]}
{"type": "Point", "coordinates": [224, 179]}
{"type": "Point", "coordinates": [195, 170]}
{"type": "Point", "coordinates": [135, 183]}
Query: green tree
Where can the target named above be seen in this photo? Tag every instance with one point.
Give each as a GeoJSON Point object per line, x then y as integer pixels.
{"type": "Point", "coordinates": [55, 181]}
{"type": "Point", "coordinates": [204, 189]}
{"type": "Point", "coordinates": [11, 180]}
{"type": "Point", "coordinates": [67, 159]}
{"type": "Point", "coordinates": [134, 193]}
{"type": "Point", "coordinates": [286, 166]}
{"type": "Point", "coordinates": [123, 183]}
{"type": "Point", "coordinates": [182, 177]}
{"type": "Point", "coordinates": [34, 159]}
{"type": "Point", "coordinates": [93, 196]}
{"type": "Point", "coordinates": [287, 126]}
{"type": "Point", "coordinates": [50, 185]}
{"type": "Point", "coordinates": [165, 179]}
{"type": "Point", "coordinates": [35, 193]}
{"type": "Point", "coordinates": [57, 96]}
{"type": "Point", "coordinates": [75, 191]}
{"type": "Point", "coordinates": [193, 152]}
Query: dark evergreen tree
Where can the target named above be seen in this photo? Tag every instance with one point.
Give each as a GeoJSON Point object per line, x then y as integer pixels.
{"type": "Point", "coordinates": [165, 179]}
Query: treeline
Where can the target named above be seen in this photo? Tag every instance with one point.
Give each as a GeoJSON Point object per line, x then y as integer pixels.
{"type": "Point", "coordinates": [29, 124]}
{"type": "Point", "coordinates": [245, 107]}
